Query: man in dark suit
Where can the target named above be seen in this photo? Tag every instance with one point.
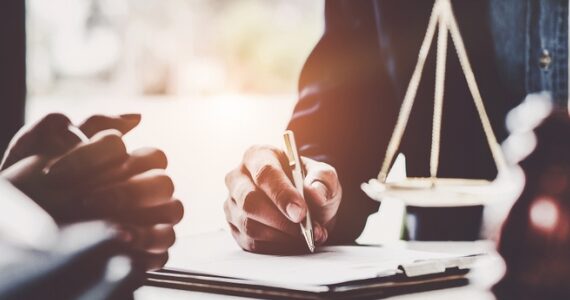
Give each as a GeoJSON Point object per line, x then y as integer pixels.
{"type": "Point", "coordinates": [351, 88]}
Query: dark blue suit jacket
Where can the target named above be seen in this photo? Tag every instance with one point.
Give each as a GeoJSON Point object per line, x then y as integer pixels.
{"type": "Point", "coordinates": [353, 82]}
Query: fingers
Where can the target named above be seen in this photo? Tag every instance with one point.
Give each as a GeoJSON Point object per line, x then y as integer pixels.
{"type": "Point", "coordinates": [151, 239]}
{"type": "Point", "coordinates": [149, 244]}
{"type": "Point", "coordinates": [323, 191]}
{"type": "Point", "coordinates": [287, 247]}
{"type": "Point", "coordinates": [98, 123]}
{"type": "Point", "coordinates": [138, 162]}
{"type": "Point", "coordinates": [264, 166]}
{"type": "Point", "coordinates": [256, 230]}
{"type": "Point", "coordinates": [252, 203]}
{"type": "Point", "coordinates": [264, 247]}
{"type": "Point", "coordinates": [170, 212]}
{"type": "Point", "coordinates": [50, 136]}
{"type": "Point", "coordinates": [103, 151]}
{"type": "Point", "coordinates": [149, 261]}
{"type": "Point", "coordinates": [256, 236]}
{"type": "Point", "coordinates": [142, 191]}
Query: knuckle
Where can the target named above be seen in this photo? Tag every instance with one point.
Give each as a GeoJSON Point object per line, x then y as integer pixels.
{"type": "Point", "coordinates": [94, 119]}
{"type": "Point", "coordinates": [250, 151]}
{"type": "Point", "coordinates": [163, 259]}
{"type": "Point", "coordinates": [254, 246]}
{"type": "Point", "coordinates": [55, 119]}
{"type": "Point", "coordinates": [53, 122]}
{"type": "Point", "coordinates": [327, 171]}
{"type": "Point", "coordinates": [233, 230]}
{"type": "Point", "coordinates": [230, 176]}
{"type": "Point", "coordinates": [265, 173]}
{"type": "Point", "coordinates": [178, 213]}
{"type": "Point", "coordinates": [227, 209]}
{"type": "Point", "coordinates": [290, 228]}
{"type": "Point", "coordinates": [249, 205]}
{"type": "Point", "coordinates": [113, 142]}
{"type": "Point", "coordinates": [227, 178]}
{"type": "Point", "coordinates": [159, 157]}
{"type": "Point", "coordinates": [249, 228]}
{"type": "Point", "coordinates": [112, 137]}
{"type": "Point", "coordinates": [248, 244]}
{"type": "Point", "coordinates": [283, 196]}
{"type": "Point", "coordinates": [165, 183]}
{"type": "Point", "coordinates": [171, 237]}
{"type": "Point", "coordinates": [245, 224]}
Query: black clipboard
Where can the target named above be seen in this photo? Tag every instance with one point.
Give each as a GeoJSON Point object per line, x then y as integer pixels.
{"type": "Point", "coordinates": [402, 281]}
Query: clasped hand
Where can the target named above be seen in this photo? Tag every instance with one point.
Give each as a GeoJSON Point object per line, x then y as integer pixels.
{"type": "Point", "coordinates": [98, 179]}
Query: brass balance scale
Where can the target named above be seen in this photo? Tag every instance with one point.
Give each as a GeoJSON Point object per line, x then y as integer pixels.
{"type": "Point", "coordinates": [434, 191]}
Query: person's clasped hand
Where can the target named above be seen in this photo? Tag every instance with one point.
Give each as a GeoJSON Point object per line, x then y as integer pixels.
{"type": "Point", "coordinates": [264, 209]}
{"type": "Point", "coordinates": [76, 180]}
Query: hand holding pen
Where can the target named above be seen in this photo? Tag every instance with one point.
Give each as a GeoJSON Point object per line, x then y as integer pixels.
{"type": "Point", "coordinates": [264, 208]}
{"type": "Point", "coordinates": [298, 177]}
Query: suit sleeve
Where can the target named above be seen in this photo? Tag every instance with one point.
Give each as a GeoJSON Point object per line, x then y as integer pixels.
{"type": "Point", "coordinates": [346, 109]}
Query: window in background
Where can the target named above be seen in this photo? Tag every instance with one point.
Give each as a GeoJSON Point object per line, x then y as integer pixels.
{"type": "Point", "coordinates": [210, 77]}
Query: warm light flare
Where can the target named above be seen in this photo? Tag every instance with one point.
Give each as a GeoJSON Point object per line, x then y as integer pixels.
{"type": "Point", "coordinates": [544, 214]}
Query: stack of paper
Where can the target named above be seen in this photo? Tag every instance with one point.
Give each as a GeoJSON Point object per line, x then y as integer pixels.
{"type": "Point", "coordinates": [217, 255]}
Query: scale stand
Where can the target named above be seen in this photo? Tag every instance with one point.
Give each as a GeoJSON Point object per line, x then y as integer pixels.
{"type": "Point", "coordinates": [433, 190]}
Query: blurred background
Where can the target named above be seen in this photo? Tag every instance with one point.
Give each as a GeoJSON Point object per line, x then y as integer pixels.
{"type": "Point", "coordinates": [210, 78]}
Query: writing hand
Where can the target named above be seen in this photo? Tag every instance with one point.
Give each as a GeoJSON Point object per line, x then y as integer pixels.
{"type": "Point", "coordinates": [264, 208]}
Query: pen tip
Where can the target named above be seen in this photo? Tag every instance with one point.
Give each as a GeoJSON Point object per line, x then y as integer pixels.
{"type": "Point", "coordinates": [310, 238]}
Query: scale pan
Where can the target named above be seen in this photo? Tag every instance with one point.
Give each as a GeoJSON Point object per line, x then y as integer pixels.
{"type": "Point", "coordinates": [446, 192]}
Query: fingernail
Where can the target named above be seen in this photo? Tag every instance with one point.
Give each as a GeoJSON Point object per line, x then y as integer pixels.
{"type": "Point", "coordinates": [317, 233]}
{"type": "Point", "coordinates": [325, 236]}
{"type": "Point", "coordinates": [320, 234]}
{"type": "Point", "coordinates": [295, 212]}
{"type": "Point", "coordinates": [131, 117]}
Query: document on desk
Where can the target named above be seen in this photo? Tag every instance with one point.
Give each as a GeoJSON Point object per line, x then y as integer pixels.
{"type": "Point", "coordinates": [215, 257]}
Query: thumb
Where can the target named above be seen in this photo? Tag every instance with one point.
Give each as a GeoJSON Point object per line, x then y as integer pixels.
{"type": "Point", "coordinates": [97, 123]}
{"type": "Point", "coordinates": [50, 136]}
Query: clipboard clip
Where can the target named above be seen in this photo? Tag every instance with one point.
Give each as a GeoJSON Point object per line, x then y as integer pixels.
{"type": "Point", "coordinates": [437, 266]}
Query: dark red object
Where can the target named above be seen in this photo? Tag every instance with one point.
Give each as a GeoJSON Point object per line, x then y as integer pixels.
{"type": "Point", "coordinates": [535, 241]}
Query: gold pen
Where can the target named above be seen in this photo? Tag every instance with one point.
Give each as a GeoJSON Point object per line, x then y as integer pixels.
{"type": "Point", "coordinates": [298, 179]}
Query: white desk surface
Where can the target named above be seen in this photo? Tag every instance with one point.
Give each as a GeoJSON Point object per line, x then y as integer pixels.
{"type": "Point", "coordinates": [486, 272]}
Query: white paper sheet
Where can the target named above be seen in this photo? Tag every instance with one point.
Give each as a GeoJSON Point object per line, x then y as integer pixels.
{"type": "Point", "coordinates": [218, 255]}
